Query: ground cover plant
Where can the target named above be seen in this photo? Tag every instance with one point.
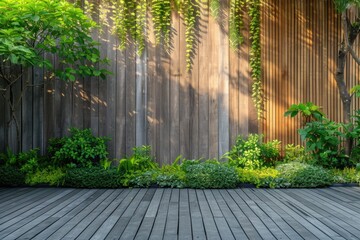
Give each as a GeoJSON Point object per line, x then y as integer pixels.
{"type": "Point", "coordinates": [80, 160]}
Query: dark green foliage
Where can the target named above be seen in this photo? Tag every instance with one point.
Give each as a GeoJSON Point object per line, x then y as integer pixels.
{"type": "Point", "coordinates": [210, 175]}
{"type": "Point", "coordinates": [11, 176]}
{"type": "Point", "coordinates": [95, 177]}
{"type": "Point", "coordinates": [304, 175]}
{"type": "Point", "coordinates": [27, 162]}
{"type": "Point", "coordinates": [323, 141]}
{"type": "Point", "coordinates": [81, 148]}
{"type": "Point", "coordinates": [8, 158]}
{"type": "Point", "coordinates": [252, 153]}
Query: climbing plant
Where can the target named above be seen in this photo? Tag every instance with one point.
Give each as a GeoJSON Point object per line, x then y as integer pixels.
{"type": "Point", "coordinates": [129, 21]}
{"type": "Point", "coordinates": [191, 12]}
{"type": "Point", "coordinates": [161, 16]}
{"type": "Point", "coordinates": [255, 54]}
{"type": "Point", "coordinates": [236, 23]}
{"type": "Point", "coordinates": [214, 7]}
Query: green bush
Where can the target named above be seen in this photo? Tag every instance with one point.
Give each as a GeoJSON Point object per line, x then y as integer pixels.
{"type": "Point", "coordinates": [296, 153]}
{"type": "Point", "coordinates": [346, 175]}
{"type": "Point", "coordinates": [210, 175]}
{"type": "Point", "coordinates": [81, 148]}
{"type": "Point", "coordinates": [141, 160]}
{"type": "Point", "coordinates": [171, 176]}
{"type": "Point", "coordinates": [323, 140]}
{"type": "Point", "coordinates": [252, 153]}
{"type": "Point", "coordinates": [141, 179]}
{"type": "Point", "coordinates": [95, 177]}
{"type": "Point", "coordinates": [297, 174]}
{"type": "Point", "coordinates": [267, 177]}
{"type": "Point", "coordinates": [50, 175]}
{"type": "Point", "coordinates": [11, 176]}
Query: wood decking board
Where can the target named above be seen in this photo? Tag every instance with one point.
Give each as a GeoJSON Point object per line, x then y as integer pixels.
{"type": "Point", "coordinates": [278, 220]}
{"type": "Point", "coordinates": [10, 224]}
{"type": "Point", "coordinates": [58, 234]}
{"type": "Point", "coordinates": [43, 213]}
{"type": "Point", "coordinates": [333, 220]}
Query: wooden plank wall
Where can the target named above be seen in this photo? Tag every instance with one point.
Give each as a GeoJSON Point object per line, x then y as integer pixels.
{"type": "Point", "coordinates": [299, 46]}
{"type": "Point", "coordinates": [152, 99]}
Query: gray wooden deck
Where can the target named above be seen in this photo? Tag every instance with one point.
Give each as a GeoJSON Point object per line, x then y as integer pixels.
{"type": "Point", "coordinates": [50, 213]}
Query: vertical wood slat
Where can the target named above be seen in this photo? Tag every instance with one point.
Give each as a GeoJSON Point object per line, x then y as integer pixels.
{"type": "Point", "coordinates": [213, 76]}
{"type": "Point", "coordinates": [223, 88]}
{"type": "Point", "coordinates": [151, 84]}
{"type": "Point", "coordinates": [184, 102]}
{"type": "Point", "coordinates": [203, 52]}
{"type": "Point", "coordinates": [27, 112]}
{"type": "Point", "coordinates": [2, 122]}
{"type": "Point", "coordinates": [174, 96]}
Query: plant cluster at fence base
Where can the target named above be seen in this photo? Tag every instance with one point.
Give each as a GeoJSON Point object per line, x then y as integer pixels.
{"type": "Point", "coordinates": [325, 139]}
{"type": "Point", "coordinates": [251, 161]}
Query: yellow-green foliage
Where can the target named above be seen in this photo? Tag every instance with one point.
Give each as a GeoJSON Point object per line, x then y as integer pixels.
{"type": "Point", "coordinates": [259, 177]}
{"type": "Point", "coordinates": [50, 175]}
{"type": "Point", "coordinates": [346, 175]}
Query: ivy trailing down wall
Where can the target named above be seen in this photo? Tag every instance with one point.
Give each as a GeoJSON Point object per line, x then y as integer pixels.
{"type": "Point", "coordinates": [130, 23]}
{"type": "Point", "coordinates": [255, 54]}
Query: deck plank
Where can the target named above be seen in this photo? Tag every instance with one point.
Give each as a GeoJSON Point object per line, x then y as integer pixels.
{"type": "Point", "coordinates": [56, 213]}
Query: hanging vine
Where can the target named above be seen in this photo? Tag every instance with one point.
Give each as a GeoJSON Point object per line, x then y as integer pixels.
{"type": "Point", "coordinates": [190, 10]}
{"type": "Point", "coordinates": [161, 16]}
{"type": "Point", "coordinates": [255, 55]}
{"type": "Point", "coordinates": [236, 23]}
{"type": "Point", "coordinates": [214, 7]}
{"type": "Point", "coordinates": [129, 22]}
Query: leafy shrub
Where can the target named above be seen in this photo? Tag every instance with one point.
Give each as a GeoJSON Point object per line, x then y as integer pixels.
{"type": "Point", "coordinates": [298, 174]}
{"type": "Point", "coordinates": [323, 141]}
{"type": "Point", "coordinates": [266, 177]}
{"type": "Point", "coordinates": [210, 175]}
{"type": "Point", "coordinates": [95, 177]}
{"type": "Point", "coordinates": [252, 153]}
{"type": "Point", "coordinates": [50, 175]}
{"type": "Point", "coordinates": [81, 148]}
{"type": "Point", "coordinates": [11, 176]}
{"type": "Point", "coordinates": [9, 158]}
{"type": "Point", "coordinates": [141, 179]}
{"type": "Point", "coordinates": [170, 176]}
{"type": "Point", "coordinates": [346, 175]}
{"type": "Point", "coordinates": [309, 111]}
{"type": "Point", "coordinates": [141, 160]}
{"type": "Point", "coordinates": [296, 153]}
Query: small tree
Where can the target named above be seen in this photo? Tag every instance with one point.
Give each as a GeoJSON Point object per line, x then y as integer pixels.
{"type": "Point", "coordinates": [31, 28]}
{"type": "Point", "coordinates": [351, 30]}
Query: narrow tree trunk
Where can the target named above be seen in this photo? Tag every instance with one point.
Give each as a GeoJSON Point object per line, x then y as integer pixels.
{"type": "Point", "coordinates": [344, 93]}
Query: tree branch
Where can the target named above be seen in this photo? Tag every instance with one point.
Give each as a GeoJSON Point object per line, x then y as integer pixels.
{"type": "Point", "coordinates": [353, 54]}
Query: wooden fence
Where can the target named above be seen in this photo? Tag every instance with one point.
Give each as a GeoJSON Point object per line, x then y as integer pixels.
{"type": "Point", "coordinates": [152, 99]}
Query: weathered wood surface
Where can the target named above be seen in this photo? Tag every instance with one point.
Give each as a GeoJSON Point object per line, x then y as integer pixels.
{"type": "Point", "coordinates": [50, 213]}
{"type": "Point", "coordinates": [152, 99]}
